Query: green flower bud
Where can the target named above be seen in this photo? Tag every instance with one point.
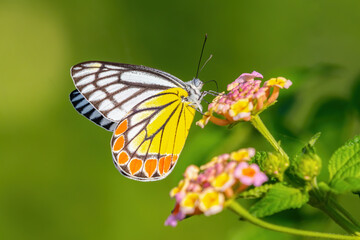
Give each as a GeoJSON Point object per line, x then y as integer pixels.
{"type": "Point", "coordinates": [307, 164]}
{"type": "Point", "coordinates": [273, 164]}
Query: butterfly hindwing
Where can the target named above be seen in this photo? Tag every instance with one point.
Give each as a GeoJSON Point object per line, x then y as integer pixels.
{"type": "Point", "coordinates": [147, 142]}
{"type": "Point", "coordinates": [86, 109]}
{"type": "Point", "coordinates": [115, 88]}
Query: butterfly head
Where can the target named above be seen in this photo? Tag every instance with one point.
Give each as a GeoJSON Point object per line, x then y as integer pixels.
{"type": "Point", "coordinates": [194, 89]}
{"type": "Point", "coordinates": [197, 83]}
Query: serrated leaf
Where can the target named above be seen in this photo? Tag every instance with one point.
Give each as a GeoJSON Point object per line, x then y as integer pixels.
{"type": "Point", "coordinates": [349, 184]}
{"type": "Point", "coordinates": [256, 192]}
{"type": "Point", "coordinates": [344, 167]}
{"type": "Point", "coordinates": [344, 161]}
{"type": "Point", "coordinates": [279, 198]}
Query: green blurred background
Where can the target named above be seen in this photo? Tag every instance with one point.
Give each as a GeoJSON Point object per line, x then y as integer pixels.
{"type": "Point", "coordinates": [57, 179]}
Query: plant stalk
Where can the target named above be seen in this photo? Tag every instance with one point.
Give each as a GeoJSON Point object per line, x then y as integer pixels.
{"type": "Point", "coordinates": [242, 212]}
{"type": "Point", "coordinates": [260, 126]}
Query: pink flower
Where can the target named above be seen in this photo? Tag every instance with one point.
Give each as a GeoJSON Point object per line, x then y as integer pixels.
{"type": "Point", "coordinates": [191, 172]}
{"type": "Point", "coordinates": [245, 99]}
{"type": "Point", "coordinates": [205, 190]}
{"type": "Point", "coordinates": [250, 174]}
{"type": "Point", "coordinates": [248, 76]}
{"type": "Point", "coordinates": [173, 219]}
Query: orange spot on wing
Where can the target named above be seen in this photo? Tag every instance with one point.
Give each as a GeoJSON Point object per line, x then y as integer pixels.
{"type": "Point", "coordinates": [122, 127]}
{"type": "Point", "coordinates": [135, 165]}
{"type": "Point", "coordinates": [150, 166]}
{"type": "Point", "coordinates": [167, 162]}
{"type": "Point", "coordinates": [119, 143]}
{"type": "Point", "coordinates": [123, 157]}
{"type": "Point", "coordinates": [161, 165]}
{"type": "Point", "coordinates": [175, 157]}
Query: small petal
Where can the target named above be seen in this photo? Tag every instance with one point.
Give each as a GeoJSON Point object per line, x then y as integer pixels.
{"type": "Point", "coordinates": [244, 154]}
{"type": "Point", "coordinates": [250, 175]}
{"type": "Point", "coordinates": [241, 108]}
{"type": "Point", "coordinates": [223, 182]}
{"type": "Point", "coordinates": [191, 172]}
{"type": "Point", "coordinates": [232, 85]}
{"type": "Point", "coordinates": [260, 178]}
{"type": "Point", "coordinates": [279, 82]}
{"type": "Point", "coordinates": [189, 203]}
{"type": "Point", "coordinates": [211, 202]}
{"type": "Point", "coordinates": [249, 76]}
{"type": "Point", "coordinates": [173, 219]}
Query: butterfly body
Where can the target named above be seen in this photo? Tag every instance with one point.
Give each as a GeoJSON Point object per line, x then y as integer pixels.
{"type": "Point", "coordinates": [148, 110]}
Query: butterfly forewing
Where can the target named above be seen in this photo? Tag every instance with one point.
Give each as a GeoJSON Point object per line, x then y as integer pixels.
{"type": "Point", "coordinates": [146, 143]}
{"type": "Point", "coordinates": [115, 88]}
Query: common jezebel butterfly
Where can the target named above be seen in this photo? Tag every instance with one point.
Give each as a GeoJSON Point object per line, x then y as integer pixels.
{"type": "Point", "coordinates": [149, 112]}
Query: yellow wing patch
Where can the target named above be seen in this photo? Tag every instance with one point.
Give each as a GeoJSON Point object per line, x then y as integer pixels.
{"type": "Point", "coordinates": [148, 141]}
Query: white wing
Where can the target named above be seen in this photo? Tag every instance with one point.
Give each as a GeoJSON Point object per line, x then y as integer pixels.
{"type": "Point", "coordinates": [115, 88]}
{"type": "Point", "coordinates": [87, 110]}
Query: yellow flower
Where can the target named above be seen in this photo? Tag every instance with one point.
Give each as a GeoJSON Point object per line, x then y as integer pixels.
{"type": "Point", "coordinates": [241, 109]}
{"type": "Point", "coordinates": [189, 202]}
{"type": "Point", "coordinates": [244, 154]}
{"type": "Point", "coordinates": [223, 182]}
{"type": "Point", "coordinates": [278, 82]}
{"type": "Point", "coordinates": [211, 202]}
{"type": "Point", "coordinates": [182, 185]}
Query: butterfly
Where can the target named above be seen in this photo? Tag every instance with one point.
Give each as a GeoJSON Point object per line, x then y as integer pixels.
{"type": "Point", "coordinates": [149, 112]}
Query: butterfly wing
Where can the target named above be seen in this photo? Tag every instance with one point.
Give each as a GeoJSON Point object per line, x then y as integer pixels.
{"type": "Point", "coordinates": [87, 110]}
{"type": "Point", "coordinates": [113, 89]}
{"type": "Point", "coordinates": [147, 142]}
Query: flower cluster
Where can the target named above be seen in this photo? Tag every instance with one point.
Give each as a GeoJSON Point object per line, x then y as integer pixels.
{"type": "Point", "coordinates": [204, 190]}
{"type": "Point", "coordinates": [245, 99]}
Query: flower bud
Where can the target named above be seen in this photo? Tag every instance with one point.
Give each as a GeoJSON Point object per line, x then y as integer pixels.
{"type": "Point", "coordinates": [307, 165]}
{"type": "Point", "coordinates": [273, 164]}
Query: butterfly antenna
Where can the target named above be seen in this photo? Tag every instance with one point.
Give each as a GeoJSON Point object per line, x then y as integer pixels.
{"type": "Point", "coordinates": [217, 87]}
{"type": "Point", "coordinates": [202, 50]}
{"type": "Point", "coordinates": [206, 62]}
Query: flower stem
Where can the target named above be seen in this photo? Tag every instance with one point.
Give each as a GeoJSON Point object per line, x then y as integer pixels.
{"type": "Point", "coordinates": [343, 211]}
{"type": "Point", "coordinates": [323, 202]}
{"type": "Point", "coordinates": [340, 220]}
{"type": "Point", "coordinates": [260, 126]}
{"type": "Point", "coordinates": [242, 212]}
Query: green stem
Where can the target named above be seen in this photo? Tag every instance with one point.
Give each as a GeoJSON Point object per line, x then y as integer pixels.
{"type": "Point", "coordinates": [331, 208]}
{"type": "Point", "coordinates": [242, 212]}
{"type": "Point", "coordinates": [343, 211]}
{"type": "Point", "coordinates": [322, 201]}
{"type": "Point", "coordinates": [260, 126]}
{"type": "Point", "coordinates": [340, 220]}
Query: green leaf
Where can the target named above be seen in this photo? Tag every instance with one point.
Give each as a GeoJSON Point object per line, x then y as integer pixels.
{"type": "Point", "coordinates": [349, 184]}
{"type": "Point", "coordinates": [279, 198]}
{"type": "Point", "coordinates": [256, 192]}
{"type": "Point", "coordinates": [344, 167]}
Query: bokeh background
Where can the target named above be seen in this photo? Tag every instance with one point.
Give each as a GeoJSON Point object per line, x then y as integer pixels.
{"type": "Point", "coordinates": [57, 179]}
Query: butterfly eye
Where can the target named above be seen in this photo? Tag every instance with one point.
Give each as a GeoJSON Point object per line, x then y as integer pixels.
{"type": "Point", "coordinates": [198, 83]}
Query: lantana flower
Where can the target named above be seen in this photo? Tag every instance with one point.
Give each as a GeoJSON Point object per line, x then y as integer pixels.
{"type": "Point", "coordinates": [205, 190]}
{"type": "Point", "coordinates": [250, 174]}
{"type": "Point", "coordinates": [245, 99]}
